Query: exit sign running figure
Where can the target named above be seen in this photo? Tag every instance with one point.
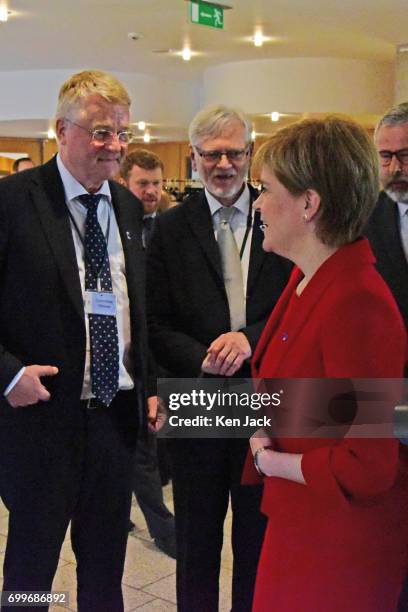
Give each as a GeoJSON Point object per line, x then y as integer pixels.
{"type": "Point", "coordinates": [207, 14]}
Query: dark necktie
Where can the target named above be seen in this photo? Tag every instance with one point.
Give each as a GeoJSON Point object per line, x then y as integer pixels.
{"type": "Point", "coordinates": [147, 229]}
{"type": "Point", "coordinates": [102, 328]}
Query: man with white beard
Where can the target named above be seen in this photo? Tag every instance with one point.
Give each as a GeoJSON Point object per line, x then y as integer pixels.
{"type": "Point", "coordinates": [387, 229]}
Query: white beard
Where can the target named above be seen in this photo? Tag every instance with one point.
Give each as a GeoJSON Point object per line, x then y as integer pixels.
{"type": "Point", "coordinates": [397, 195]}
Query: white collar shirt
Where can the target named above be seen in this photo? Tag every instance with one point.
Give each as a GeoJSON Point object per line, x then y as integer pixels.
{"type": "Point", "coordinates": [106, 214]}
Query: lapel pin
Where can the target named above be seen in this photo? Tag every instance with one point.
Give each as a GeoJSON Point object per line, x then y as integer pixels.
{"type": "Point", "coordinates": [285, 336]}
{"type": "Point", "coordinates": [128, 236]}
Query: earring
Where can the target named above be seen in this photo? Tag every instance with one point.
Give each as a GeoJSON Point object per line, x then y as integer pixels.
{"type": "Point", "coordinates": [305, 218]}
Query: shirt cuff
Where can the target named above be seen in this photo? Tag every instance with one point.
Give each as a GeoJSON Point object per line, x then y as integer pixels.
{"type": "Point", "coordinates": [14, 382]}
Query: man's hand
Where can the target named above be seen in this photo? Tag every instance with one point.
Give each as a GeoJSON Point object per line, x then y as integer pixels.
{"type": "Point", "coordinates": [156, 413]}
{"type": "Point", "coordinates": [29, 389]}
{"type": "Point", "coordinates": [226, 354]}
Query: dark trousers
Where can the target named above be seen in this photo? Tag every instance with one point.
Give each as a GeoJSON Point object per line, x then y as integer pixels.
{"type": "Point", "coordinates": [205, 474]}
{"type": "Point", "coordinates": [148, 490]}
{"type": "Point", "coordinates": [54, 475]}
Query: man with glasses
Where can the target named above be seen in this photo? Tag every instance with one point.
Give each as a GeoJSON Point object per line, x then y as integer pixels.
{"type": "Point", "coordinates": [210, 288]}
{"type": "Point", "coordinates": [73, 341]}
{"type": "Point", "coordinates": [387, 229]}
{"type": "Point", "coordinates": [388, 226]}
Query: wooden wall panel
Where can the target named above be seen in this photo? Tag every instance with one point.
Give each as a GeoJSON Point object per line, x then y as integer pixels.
{"type": "Point", "coordinates": [29, 146]}
{"type": "Point", "coordinates": [6, 165]}
{"type": "Point", "coordinates": [184, 155]}
{"type": "Point", "coordinates": [50, 148]}
{"type": "Point", "coordinates": [169, 153]}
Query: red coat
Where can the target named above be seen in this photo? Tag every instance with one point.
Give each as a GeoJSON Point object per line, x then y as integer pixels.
{"type": "Point", "coordinates": [338, 544]}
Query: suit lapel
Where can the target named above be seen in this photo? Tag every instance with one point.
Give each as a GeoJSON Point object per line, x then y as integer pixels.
{"type": "Point", "coordinates": [275, 319]}
{"type": "Point", "coordinates": [339, 265]}
{"type": "Point", "coordinates": [130, 233]}
{"type": "Point", "coordinates": [199, 219]}
{"type": "Point", "coordinates": [48, 197]}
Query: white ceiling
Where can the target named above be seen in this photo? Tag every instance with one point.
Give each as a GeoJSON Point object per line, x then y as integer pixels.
{"type": "Point", "coordinates": [62, 34]}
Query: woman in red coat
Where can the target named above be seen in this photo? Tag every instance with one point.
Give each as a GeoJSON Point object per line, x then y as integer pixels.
{"type": "Point", "coordinates": [338, 508]}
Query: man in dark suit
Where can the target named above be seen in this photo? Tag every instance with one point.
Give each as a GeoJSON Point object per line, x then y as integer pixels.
{"type": "Point", "coordinates": [387, 229]}
{"type": "Point", "coordinates": [201, 322]}
{"type": "Point", "coordinates": [72, 342]}
{"type": "Point", "coordinates": [142, 172]}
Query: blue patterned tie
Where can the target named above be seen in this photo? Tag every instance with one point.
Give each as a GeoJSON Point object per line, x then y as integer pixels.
{"type": "Point", "coordinates": [102, 328]}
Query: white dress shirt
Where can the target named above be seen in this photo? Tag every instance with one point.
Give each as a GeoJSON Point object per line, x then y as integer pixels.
{"type": "Point", "coordinates": [73, 189]}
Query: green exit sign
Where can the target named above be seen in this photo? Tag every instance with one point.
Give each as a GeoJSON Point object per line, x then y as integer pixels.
{"type": "Point", "coordinates": [207, 14]}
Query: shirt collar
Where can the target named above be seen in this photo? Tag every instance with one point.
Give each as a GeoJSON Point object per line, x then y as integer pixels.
{"type": "Point", "coordinates": [151, 215]}
{"type": "Point", "coordinates": [402, 207]}
{"type": "Point", "coordinates": [242, 204]}
{"type": "Point", "coordinates": [73, 188]}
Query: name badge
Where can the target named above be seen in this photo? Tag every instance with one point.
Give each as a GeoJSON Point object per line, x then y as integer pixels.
{"type": "Point", "coordinates": [100, 303]}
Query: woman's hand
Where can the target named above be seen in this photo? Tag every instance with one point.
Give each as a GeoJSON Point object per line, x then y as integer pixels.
{"type": "Point", "coordinates": [275, 463]}
{"type": "Point", "coordinates": [260, 439]}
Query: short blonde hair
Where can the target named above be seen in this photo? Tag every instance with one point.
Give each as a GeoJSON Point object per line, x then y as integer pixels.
{"type": "Point", "coordinates": [335, 157]}
{"type": "Point", "coordinates": [87, 83]}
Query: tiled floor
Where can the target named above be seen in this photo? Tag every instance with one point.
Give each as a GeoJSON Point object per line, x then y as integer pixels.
{"type": "Point", "coordinates": [149, 577]}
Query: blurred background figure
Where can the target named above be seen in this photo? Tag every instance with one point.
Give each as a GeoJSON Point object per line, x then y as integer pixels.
{"type": "Point", "coordinates": [142, 173]}
{"type": "Point", "coordinates": [22, 163]}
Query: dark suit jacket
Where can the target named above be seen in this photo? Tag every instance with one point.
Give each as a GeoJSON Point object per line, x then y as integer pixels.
{"type": "Point", "coordinates": [187, 302]}
{"type": "Point", "coordinates": [41, 305]}
{"type": "Point", "coordinates": [384, 235]}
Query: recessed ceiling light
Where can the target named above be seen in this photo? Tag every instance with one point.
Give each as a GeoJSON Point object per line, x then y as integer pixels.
{"type": "Point", "coordinates": [403, 48]}
{"type": "Point", "coordinates": [51, 135]}
{"type": "Point", "coordinates": [186, 54]}
{"type": "Point", "coordinates": [4, 13]}
{"type": "Point", "coordinates": [141, 125]}
{"type": "Point", "coordinates": [258, 39]}
{"type": "Point", "coordinates": [275, 116]}
{"type": "Point", "coordinates": [146, 137]}
{"type": "Point", "coordinates": [253, 135]}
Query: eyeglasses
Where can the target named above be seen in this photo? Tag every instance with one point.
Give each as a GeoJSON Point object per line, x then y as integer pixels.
{"type": "Point", "coordinates": [105, 135]}
{"type": "Point", "coordinates": [232, 155]}
{"type": "Point", "coordinates": [386, 157]}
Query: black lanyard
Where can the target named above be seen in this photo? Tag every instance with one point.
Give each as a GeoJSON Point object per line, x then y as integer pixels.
{"type": "Point", "coordinates": [248, 228]}
{"type": "Point", "coordinates": [86, 254]}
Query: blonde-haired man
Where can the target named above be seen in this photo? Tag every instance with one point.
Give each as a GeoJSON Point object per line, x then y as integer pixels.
{"type": "Point", "coordinates": [72, 339]}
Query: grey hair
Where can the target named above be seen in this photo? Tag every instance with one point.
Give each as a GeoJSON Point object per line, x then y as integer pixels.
{"type": "Point", "coordinates": [394, 116]}
{"type": "Point", "coordinates": [213, 120]}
